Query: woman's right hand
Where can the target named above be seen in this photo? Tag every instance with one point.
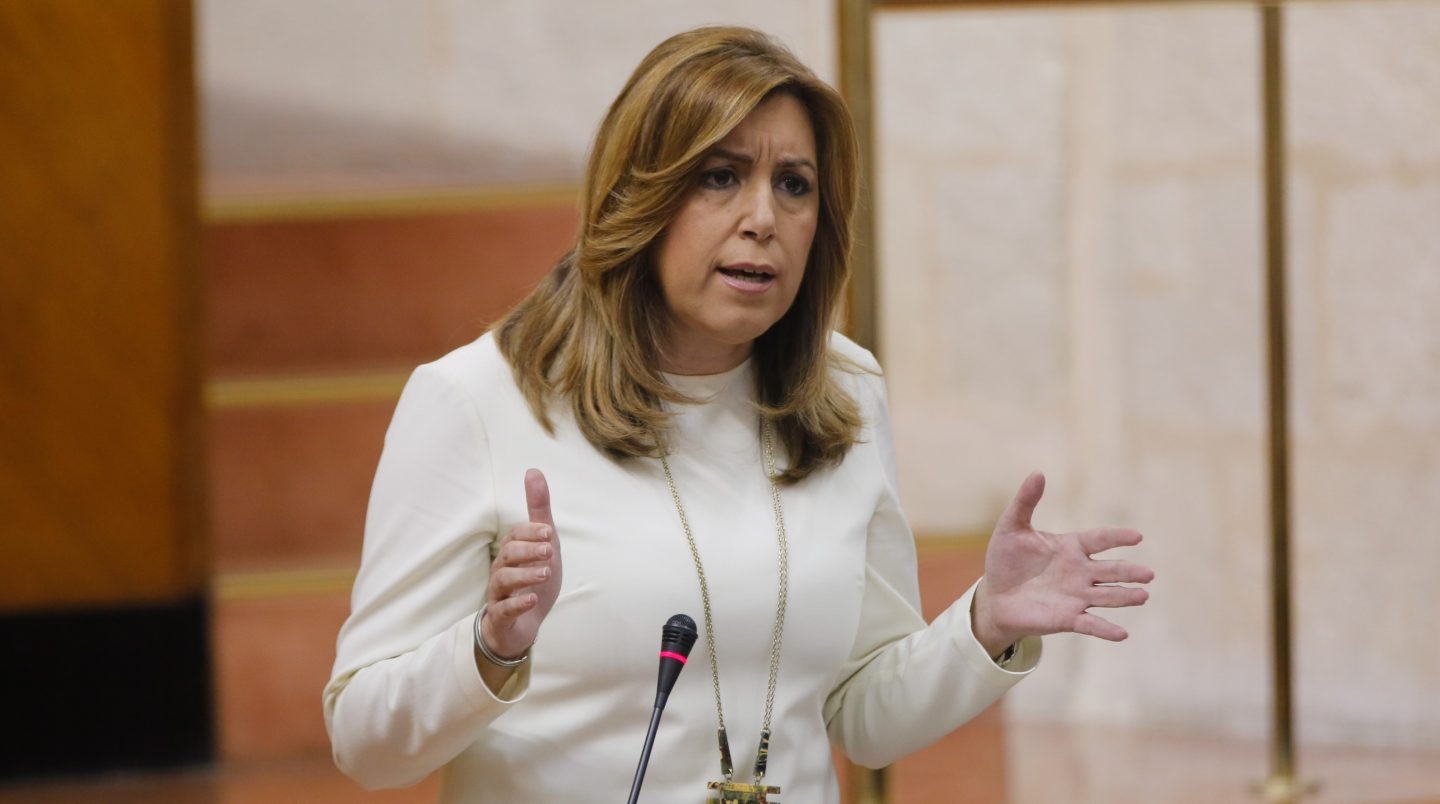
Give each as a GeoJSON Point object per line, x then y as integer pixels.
{"type": "Point", "coordinates": [524, 580]}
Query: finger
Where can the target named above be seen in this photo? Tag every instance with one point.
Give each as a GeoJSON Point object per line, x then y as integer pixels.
{"type": "Point", "coordinates": [524, 532]}
{"type": "Point", "coordinates": [1090, 625]}
{"type": "Point", "coordinates": [503, 630]}
{"type": "Point", "coordinates": [537, 498]}
{"type": "Point", "coordinates": [505, 610]}
{"type": "Point", "coordinates": [510, 581]}
{"type": "Point", "coordinates": [1101, 539]}
{"type": "Point", "coordinates": [1017, 514]}
{"type": "Point", "coordinates": [1121, 572]}
{"type": "Point", "coordinates": [515, 553]}
{"type": "Point", "coordinates": [1117, 597]}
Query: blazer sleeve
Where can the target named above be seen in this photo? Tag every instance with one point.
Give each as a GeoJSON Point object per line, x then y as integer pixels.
{"type": "Point", "coordinates": [907, 684]}
{"type": "Point", "coordinates": [405, 696]}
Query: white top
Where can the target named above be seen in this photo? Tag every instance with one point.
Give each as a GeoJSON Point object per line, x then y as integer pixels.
{"type": "Point", "coordinates": [859, 667]}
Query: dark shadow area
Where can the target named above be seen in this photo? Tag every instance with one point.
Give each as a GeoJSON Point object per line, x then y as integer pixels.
{"type": "Point", "coordinates": [100, 690]}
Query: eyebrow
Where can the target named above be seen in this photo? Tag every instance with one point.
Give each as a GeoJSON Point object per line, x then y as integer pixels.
{"type": "Point", "coordinates": [736, 156]}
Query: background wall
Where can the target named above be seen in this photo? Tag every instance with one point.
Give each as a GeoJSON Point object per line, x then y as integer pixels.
{"type": "Point", "coordinates": [1071, 266]}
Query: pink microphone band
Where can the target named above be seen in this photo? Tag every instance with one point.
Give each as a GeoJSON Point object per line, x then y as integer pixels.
{"type": "Point", "coordinates": [667, 654]}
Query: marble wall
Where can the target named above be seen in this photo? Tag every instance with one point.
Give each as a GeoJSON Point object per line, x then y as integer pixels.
{"type": "Point", "coordinates": [1070, 209]}
{"type": "Point", "coordinates": [1071, 258]}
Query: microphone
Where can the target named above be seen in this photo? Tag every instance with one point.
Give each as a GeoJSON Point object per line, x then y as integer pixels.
{"type": "Point", "coordinates": [676, 640]}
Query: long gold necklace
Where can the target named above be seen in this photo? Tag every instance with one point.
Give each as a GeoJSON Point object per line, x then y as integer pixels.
{"type": "Point", "coordinates": [729, 790]}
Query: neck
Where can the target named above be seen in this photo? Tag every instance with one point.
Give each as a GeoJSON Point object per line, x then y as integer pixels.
{"type": "Point", "coordinates": [716, 359]}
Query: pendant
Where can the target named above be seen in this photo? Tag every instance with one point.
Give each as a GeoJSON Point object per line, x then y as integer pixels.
{"type": "Point", "coordinates": [743, 793]}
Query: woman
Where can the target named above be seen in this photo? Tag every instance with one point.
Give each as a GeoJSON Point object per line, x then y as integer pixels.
{"type": "Point", "coordinates": [711, 448]}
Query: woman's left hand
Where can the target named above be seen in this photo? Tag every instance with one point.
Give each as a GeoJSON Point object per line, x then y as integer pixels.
{"type": "Point", "coordinates": [1039, 583]}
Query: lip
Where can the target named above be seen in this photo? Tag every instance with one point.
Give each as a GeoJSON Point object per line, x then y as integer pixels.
{"type": "Point", "coordinates": [753, 267]}
{"type": "Point", "coordinates": [746, 286]}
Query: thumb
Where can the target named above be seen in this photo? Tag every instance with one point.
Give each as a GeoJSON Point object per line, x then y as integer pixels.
{"type": "Point", "coordinates": [537, 497]}
{"type": "Point", "coordinates": [1017, 514]}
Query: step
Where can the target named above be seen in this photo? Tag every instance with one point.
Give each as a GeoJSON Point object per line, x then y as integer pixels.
{"type": "Point", "coordinates": [357, 292]}
{"type": "Point", "coordinates": [288, 482]}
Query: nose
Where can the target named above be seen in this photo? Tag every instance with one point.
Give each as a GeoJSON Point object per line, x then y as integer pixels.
{"type": "Point", "coordinates": [757, 219]}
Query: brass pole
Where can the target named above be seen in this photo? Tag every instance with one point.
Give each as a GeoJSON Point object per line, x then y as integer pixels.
{"type": "Point", "coordinates": [868, 786]}
{"type": "Point", "coordinates": [1282, 784]}
{"type": "Point", "coordinates": [857, 84]}
{"type": "Point", "coordinates": [1282, 753]}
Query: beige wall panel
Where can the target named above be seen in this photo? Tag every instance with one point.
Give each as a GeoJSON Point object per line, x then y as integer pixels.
{"type": "Point", "coordinates": [1071, 243]}
{"type": "Point", "coordinates": [362, 93]}
{"type": "Point", "coordinates": [1365, 103]}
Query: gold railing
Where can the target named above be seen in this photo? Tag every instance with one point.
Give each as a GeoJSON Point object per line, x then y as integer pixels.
{"type": "Point", "coordinates": [296, 205]}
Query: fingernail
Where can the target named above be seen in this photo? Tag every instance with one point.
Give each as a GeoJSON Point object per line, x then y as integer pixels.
{"type": "Point", "coordinates": [544, 551]}
{"type": "Point", "coordinates": [544, 572]}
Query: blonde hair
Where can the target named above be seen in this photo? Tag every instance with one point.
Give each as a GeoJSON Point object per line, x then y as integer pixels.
{"type": "Point", "coordinates": [590, 334]}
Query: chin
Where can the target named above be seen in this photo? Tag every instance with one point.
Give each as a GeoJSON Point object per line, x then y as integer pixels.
{"type": "Point", "coordinates": [742, 335]}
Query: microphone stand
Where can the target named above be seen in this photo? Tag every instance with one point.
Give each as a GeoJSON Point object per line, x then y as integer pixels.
{"type": "Point", "coordinates": [645, 753]}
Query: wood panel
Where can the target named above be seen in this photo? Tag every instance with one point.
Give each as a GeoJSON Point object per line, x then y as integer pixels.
{"type": "Point", "coordinates": [99, 381]}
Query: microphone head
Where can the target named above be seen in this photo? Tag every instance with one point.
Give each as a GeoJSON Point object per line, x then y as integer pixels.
{"type": "Point", "coordinates": [678, 635]}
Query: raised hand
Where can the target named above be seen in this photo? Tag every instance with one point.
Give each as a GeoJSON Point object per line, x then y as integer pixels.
{"type": "Point", "coordinates": [524, 577]}
{"type": "Point", "coordinates": [1039, 583]}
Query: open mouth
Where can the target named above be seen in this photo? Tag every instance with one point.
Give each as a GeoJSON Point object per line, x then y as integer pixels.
{"type": "Point", "coordinates": [748, 274]}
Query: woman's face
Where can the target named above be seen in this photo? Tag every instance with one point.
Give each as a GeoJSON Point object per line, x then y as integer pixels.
{"type": "Point", "coordinates": [731, 261]}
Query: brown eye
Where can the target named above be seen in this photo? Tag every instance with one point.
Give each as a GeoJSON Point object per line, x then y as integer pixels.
{"type": "Point", "coordinates": [718, 179]}
{"type": "Point", "coordinates": [795, 185]}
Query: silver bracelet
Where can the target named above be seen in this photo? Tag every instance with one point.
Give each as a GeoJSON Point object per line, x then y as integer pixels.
{"type": "Point", "coordinates": [1007, 655]}
{"type": "Point", "coordinates": [485, 649]}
